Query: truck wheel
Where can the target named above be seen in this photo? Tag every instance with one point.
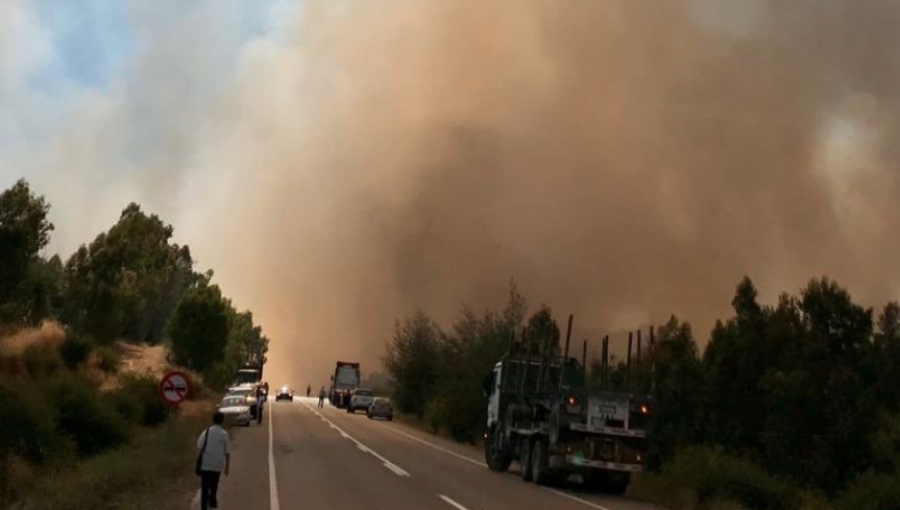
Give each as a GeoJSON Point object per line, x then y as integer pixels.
{"type": "Point", "coordinates": [496, 459]}
{"type": "Point", "coordinates": [540, 463]}
{"type": "Point", "coordinates": [349, 410]}
{"type": "Point", "coordinates": [525, 458]}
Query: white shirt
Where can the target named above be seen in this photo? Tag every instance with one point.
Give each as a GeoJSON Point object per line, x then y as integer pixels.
{"type": "Point", "coordinates": [216, 449]}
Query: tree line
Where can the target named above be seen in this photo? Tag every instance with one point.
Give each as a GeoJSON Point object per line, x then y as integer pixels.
{"type": "Point", "coordinates": [804, 393]}
{"type": "Point", "coordinates": [130, 283]}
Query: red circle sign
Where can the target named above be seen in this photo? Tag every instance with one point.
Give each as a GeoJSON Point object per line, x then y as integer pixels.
{"type": "Point", "coordinates": [174, 388]}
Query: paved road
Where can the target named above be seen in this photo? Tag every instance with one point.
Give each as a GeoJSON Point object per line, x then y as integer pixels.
{"type": "Point", "coordinates": [330, 460]}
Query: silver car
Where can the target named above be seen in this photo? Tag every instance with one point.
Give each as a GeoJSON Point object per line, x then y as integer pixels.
{"type": "Point", "coordinates": [249, 393]}
{"type": "Point", "coordinates": [236, 410]}
{"type": "Point", "coordinates": [381, 408]}
{"type": "Point", "coordinates": [360, 399]}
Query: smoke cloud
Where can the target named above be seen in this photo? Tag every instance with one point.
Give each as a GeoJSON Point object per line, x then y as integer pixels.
{"type": "Point", "coordinates": [622, 161]}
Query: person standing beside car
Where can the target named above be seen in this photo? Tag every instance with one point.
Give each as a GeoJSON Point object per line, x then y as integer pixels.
{"type": "Point", "coordinates": [261, 394]}
{"type": "Point", "coordinates": [213, 460]}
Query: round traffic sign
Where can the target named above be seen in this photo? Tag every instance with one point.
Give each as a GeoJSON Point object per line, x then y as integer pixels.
{"type": "Point", "coordinates": [174, 388]}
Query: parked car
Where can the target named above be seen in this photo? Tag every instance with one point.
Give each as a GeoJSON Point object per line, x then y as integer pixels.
{"type": "Point", "coordinates": [360, 399]}
{"type": "Point", "coordinates": [284, 393]}
{"type": "Point", "coordinates": [381, 408]}
{"type": "Point", "coordinates": [248, 391]}
{"type": "Point", "coordinates": [236, 410]}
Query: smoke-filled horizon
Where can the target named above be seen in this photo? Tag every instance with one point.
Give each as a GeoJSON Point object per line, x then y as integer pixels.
{"type": "Point", "coordinates": [349, 161]}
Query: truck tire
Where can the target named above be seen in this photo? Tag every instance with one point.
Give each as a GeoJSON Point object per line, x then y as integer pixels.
{"type": "Point", "coordinates": [525, 458]}
{"type": "Point", "coordinates": [496, 458]}
{"type": "Point", "coordinates": [349, 410]}
{"type": "Point", "coordinates": [540, 463]}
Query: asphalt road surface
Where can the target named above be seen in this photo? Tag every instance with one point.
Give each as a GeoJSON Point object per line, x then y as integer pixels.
{"type": "Point", "coordinates": [325, 459]}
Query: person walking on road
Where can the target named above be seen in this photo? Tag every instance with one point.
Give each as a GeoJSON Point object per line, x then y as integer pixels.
{"type": "Point", "coordinates": [308, 390]}
{"type": "Point", "coordinates": [214, 459]}
{"type": "Point", "coordinates": [322, 397]}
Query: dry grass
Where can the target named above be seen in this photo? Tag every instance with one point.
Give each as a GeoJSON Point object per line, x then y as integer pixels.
{"type": "Point", "coordinates": [14, 345]}
{"type": "Point", "coordinates": [143, 359]}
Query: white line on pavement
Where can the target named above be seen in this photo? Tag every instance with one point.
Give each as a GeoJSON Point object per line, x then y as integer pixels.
{"type": "Point", "coordinates": [452, 503]}
{"type": "Point", "coordinates": [575, 498]}
{"type": "Point", "coordinates": [273, 483]}
{"type": "Point", "coordinates": [482, 464]}
{"type": "Point", "coordinates": [436, 447]}
{"type": "Point", "coordinates": [397, 470]}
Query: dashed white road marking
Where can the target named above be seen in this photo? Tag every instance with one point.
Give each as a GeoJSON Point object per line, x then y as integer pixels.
{"type": "Point", "coordinates": [273, 483]}
{"type": "Point", "coordinates": [397, 470]}
{"type": "Point", "coordinates": [482, 464]}
{"type": "Point", "coordinates": [452, 503]}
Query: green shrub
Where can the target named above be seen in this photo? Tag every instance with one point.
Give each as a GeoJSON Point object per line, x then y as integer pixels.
{"type": "Point", "coordinates": [85, 415]}
{"type": "Point", "coordinates": [75, 351]}
{"type": "Point", "coordinates": [28, 436]}
{"type": "Point", "coordinates": [109, 359]}
{"type": "Point", "coordinates": [663, 491]}
{"type": "Point", "coordinates": [42, 360]}
{"type": "Point", "coordinates": [138, 476]}
{"type": "Point", "coordinates": [138, 401]}
{"type": "Point", "coordinates": [700, 477]}
{"type": "Point", "coordinates": [871, 491]}
{"type": "Point", "coordinates": [436, 413]}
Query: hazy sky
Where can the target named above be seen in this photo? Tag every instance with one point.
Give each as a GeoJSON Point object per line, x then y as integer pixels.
{"type": "Point", "coordinates": [340, 162]}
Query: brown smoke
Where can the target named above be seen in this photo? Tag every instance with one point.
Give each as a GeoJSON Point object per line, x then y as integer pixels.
{"type": "Point", "coordinates": [622, 160]}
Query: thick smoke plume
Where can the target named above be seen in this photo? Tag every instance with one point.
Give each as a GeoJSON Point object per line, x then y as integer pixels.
{"type": "Point", "coordinates": [621, 160]}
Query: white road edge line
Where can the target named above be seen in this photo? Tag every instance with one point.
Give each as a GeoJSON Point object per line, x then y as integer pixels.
{"type": "Point", "coordinates": [436, 447]}
{"type": "Point", "coordinates": [575, 498]}
{"type": "Point", "coordinates": [452, 503]}
{"type": "Point", "coordinates": [482, 464]}
{"type": "Point", "coordinates": [273, 483]}
{"type": "Point", "coordinates": [397, 470]}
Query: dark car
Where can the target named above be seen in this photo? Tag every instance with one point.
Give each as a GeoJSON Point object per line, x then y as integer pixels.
{"type": "Point", "coordinates": [284, 393]}
{"type": "Point", "coordinates": [381, 408]}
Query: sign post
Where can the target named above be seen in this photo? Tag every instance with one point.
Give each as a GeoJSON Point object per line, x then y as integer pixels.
{"type": "Point", "coordinates": [174, 388]}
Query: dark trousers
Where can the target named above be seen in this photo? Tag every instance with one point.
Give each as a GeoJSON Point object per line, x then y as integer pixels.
{"type": "Point", "coordinates": [321, 401]}
{"type": "Point", "coordinates": [209, 487]}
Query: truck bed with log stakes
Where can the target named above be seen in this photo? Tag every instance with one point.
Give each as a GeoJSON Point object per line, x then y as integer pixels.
{"type": "Point", "coordinates": [542, 414]}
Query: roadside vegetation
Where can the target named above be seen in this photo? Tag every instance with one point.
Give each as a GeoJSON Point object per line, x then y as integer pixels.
{"type": "Point", "coordinates": [79, 430]}
{"type": "Point", "coordinates": [789, 406]}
